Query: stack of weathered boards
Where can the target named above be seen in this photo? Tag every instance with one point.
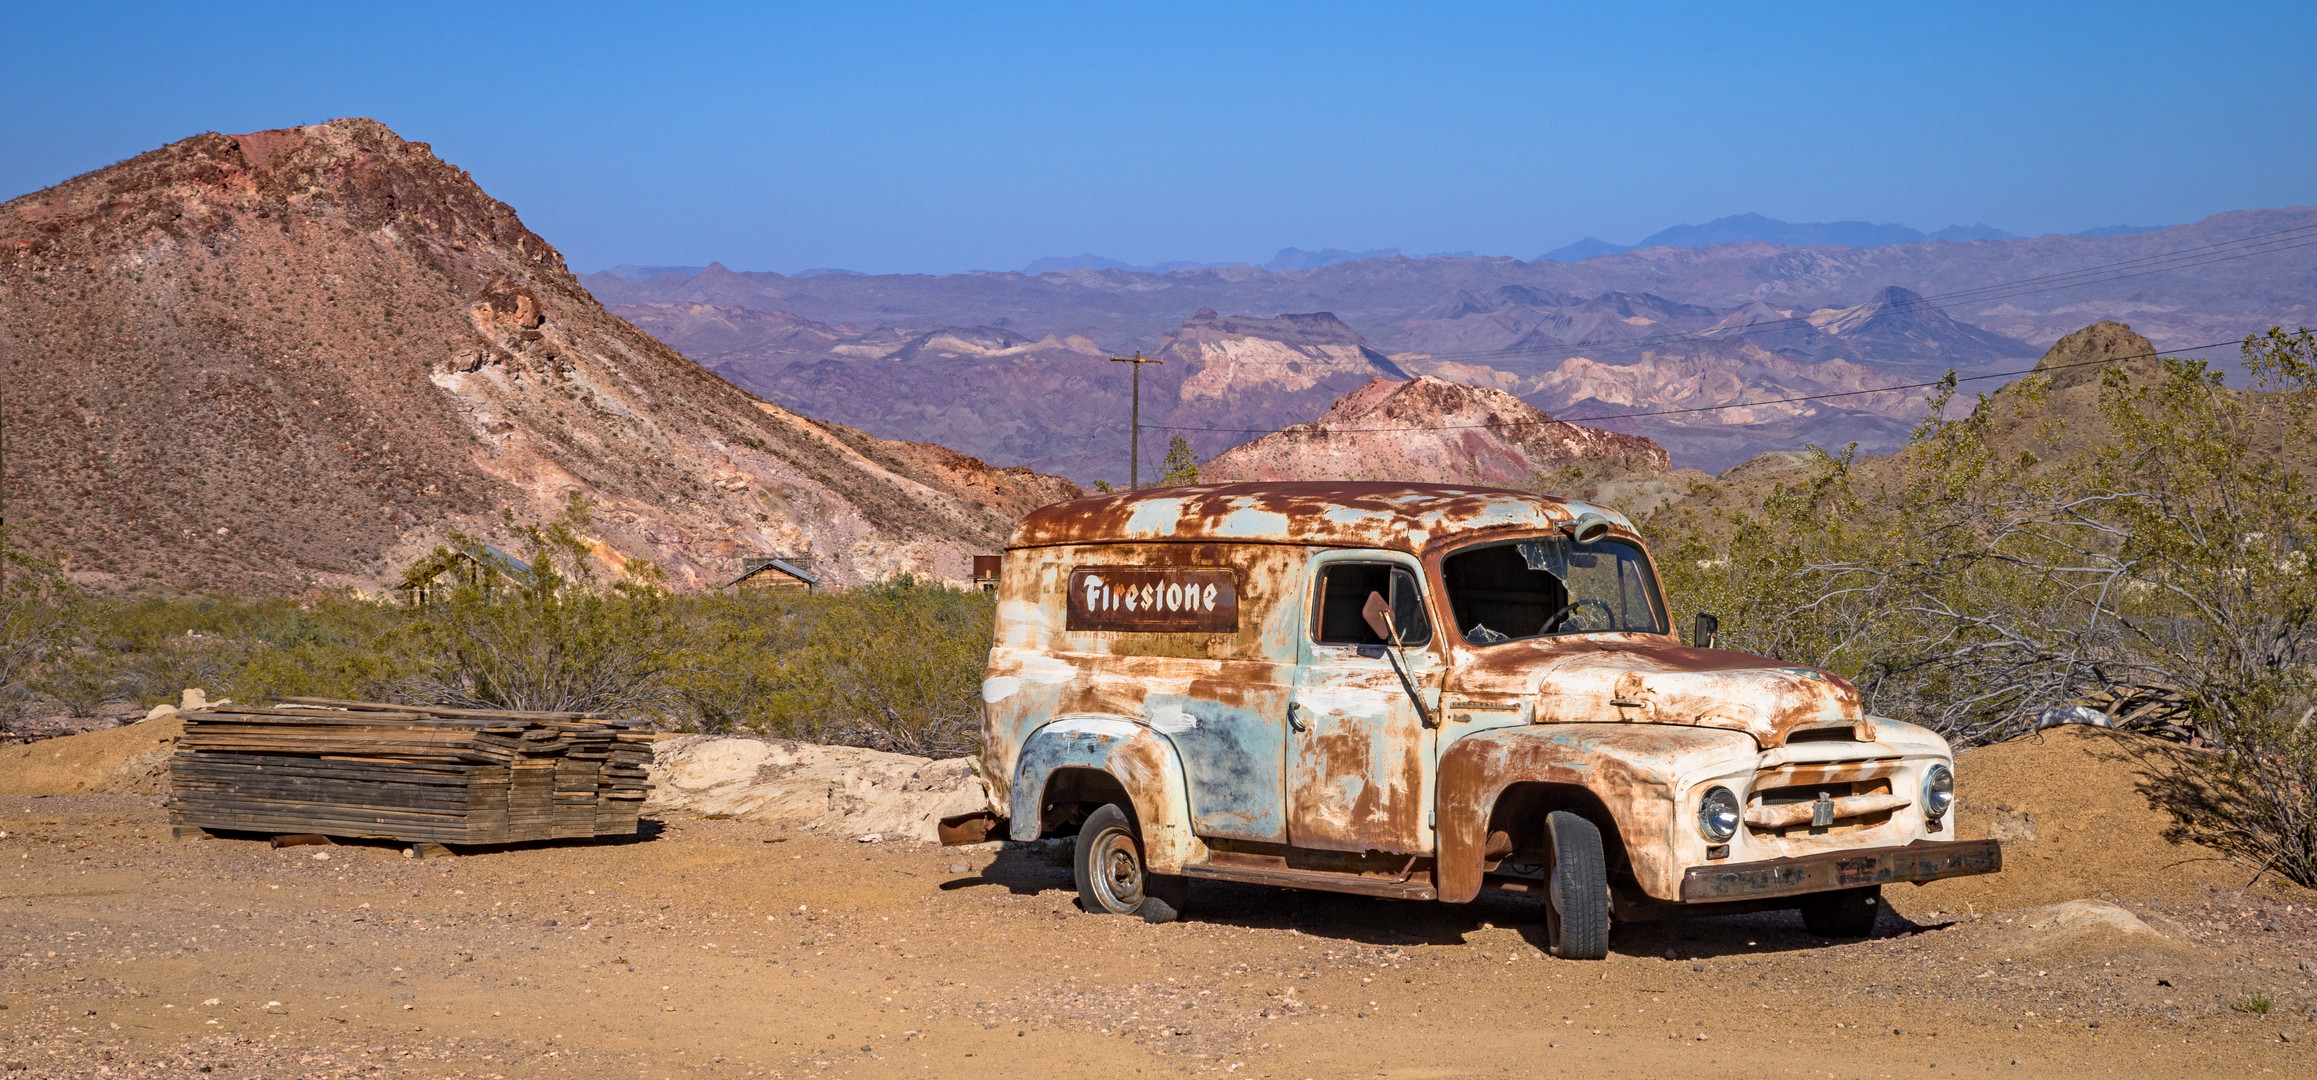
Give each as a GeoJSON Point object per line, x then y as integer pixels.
{"type": "Point", "coordinates": [410, 773]}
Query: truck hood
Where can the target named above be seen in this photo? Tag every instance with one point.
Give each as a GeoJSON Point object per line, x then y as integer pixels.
{"type": "Point", "coordinates": [1648, 680]}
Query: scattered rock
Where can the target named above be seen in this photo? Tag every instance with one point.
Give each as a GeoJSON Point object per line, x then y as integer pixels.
{"type": "Point", "coordinates": [2012, 826]}
{"type": "Point", "coordinates": [867, 795]}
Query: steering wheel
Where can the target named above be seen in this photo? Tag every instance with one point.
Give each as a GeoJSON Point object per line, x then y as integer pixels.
{"type": "Point", "coordinates": [1608, 617]}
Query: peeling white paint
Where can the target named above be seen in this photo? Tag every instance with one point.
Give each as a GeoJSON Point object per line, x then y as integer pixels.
{"type": "Point", "coordinates": [1171, 719]}
{"type": "Point", "coordinates": [1154, 517]}
{"type": "Point", "coordinates": [1051, 670]}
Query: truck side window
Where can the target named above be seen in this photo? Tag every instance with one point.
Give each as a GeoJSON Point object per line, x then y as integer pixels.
{"type": "Point", "coordinates": [1343, 591]}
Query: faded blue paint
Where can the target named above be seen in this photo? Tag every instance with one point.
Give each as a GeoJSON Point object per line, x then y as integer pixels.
{"type": "Point", "coordinates": [1360, 775]}
{"type": "Point", "coordinates": [1232, 760]}
{"type": "Point", "coordinates": [1084, 742]}
{"type": "Point", "coordinates": [1249, 523]}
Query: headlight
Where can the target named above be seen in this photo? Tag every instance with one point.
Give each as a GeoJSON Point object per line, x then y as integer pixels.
{"type": "Point", "coordinates": [1718, 815]}
{"type": "Point", "coordinates": [1938, 792]}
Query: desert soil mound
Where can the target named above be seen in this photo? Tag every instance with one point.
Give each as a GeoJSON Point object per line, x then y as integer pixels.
{"type": "Point", "coordinates": [842, 790]}
{"type": "Point", "coordinates": [2073, 807]}
{"type": "Point", "coordinates": [122, 761]}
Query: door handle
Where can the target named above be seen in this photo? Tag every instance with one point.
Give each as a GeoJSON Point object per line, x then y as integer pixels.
{"type": "Point", "coordinates": [1292, 721]}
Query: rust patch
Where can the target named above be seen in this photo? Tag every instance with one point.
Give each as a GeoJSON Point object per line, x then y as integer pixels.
{"type": "Point", "coordinates": [1392, 517]}
{"type": "Point", "coordinates": [1617, 764]}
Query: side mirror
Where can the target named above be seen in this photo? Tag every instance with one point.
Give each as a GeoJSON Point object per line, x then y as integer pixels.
{"type": "Point", "coordinates": [1588, 527]}
{"type": "Point", "coordinates": [1707, 630]}
{"type": "Point", "coordinates": [1378, 614]}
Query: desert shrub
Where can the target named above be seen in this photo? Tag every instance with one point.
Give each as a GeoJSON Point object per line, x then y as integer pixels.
{"type": "Point", "coordinates": [555, 640]}
{"type": "Point", "coordinates": [896, 666]}
{"type": "Point", "coordinates": [904, 666]}
{"type": "Point", "coordinates": [1962, 583]}
{"type": "Point", "coordinates": [35, 623]}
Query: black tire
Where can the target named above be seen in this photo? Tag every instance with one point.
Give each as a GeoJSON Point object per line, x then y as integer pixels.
{"type": "Point", "coordinates": [1576, 889]}
{"type": "Point", "coordinates": [1164, 896]}
{"type": "Point", "coordinates": [1112, 879]}
{"type": "Point", "coordinates": [1844, 913]}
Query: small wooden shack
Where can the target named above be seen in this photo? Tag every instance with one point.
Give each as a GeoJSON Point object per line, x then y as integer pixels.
{"type": "Point", "coordinates": [434, 577]}
{"type": "Point", "coordinates": [985, 572]}
{"type": "Point", "coordinates": [783, 572]}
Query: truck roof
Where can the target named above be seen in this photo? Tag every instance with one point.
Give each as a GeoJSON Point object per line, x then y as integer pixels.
{"type": "Point", "coordinates": [1402, 517]}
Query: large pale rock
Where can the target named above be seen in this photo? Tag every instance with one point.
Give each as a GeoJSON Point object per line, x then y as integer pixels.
{"type": "Point", "coordinates": [834, 789]}
{"type": "Point", "coordinates": [2057, 923]}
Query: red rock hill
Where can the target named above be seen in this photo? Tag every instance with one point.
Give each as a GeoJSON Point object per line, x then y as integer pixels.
{"type": "Point", "coordinates": [1434, 431]}
{"type": "Point", "coordinates": [295, 357]}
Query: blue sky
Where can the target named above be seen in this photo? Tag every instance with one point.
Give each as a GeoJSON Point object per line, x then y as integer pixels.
{"type": "Point", "coordinates": [946, 137]}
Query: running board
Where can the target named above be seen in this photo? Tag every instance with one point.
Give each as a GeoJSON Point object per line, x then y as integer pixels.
{"type": "Point", "coordinates": [1326, 881]}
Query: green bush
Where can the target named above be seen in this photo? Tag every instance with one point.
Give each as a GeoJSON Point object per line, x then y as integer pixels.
{"type": "Point", "coordinates": [1964, 583]}
{"type": "Point", "coordinates": [895, 666]}
{"type": "Point", "coordinates": [35, 623]}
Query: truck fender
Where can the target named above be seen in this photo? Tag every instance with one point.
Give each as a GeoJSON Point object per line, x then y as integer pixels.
{"type": "Point", "coordinates": [1632, 769]}
{"type": "Point", "coordinates": [1141, 760]}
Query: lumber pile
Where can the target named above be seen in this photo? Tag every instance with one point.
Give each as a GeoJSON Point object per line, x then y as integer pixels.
{"type": "Point", "coordinates": [409, 773]}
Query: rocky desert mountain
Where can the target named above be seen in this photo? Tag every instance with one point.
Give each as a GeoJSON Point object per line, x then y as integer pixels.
{"type": "Point", "coordinates": [1433, 431]}
{"type": "Point", "coordinates": [1640, 331]}
{"type": "Point", "coordinates": [302, 357]}
{"type": "Point", "coordinates": [2065, 385]}
{"type": "Point", "coordinates": [1054, 403]}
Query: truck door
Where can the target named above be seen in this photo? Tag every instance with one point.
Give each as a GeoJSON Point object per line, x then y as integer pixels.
{"type": "Point", "coordinates": [1359, 755]}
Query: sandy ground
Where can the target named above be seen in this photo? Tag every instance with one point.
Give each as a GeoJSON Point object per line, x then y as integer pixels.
{"type": "Point", "coordinates": [733, 948]}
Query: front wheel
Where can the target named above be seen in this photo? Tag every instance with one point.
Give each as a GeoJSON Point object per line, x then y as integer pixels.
{"type": "Point", "coordinates": [1112, 878]}
{"type": "Point", "coordinates": [1576, 889]}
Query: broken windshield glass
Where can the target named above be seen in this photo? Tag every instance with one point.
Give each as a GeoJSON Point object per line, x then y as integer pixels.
{"type": "Point", "coordinates": [1551, 586]}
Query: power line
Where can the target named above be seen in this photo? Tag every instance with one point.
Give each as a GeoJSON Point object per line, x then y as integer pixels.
{"type": "Point", "coordinates": [1717, 408]}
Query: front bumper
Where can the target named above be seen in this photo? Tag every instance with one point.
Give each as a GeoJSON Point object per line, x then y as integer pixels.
{"type": "Point", "coordinates": [1923, 860]}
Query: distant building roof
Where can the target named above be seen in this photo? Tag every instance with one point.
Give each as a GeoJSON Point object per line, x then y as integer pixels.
{"type": "Point", "coordinates": [752, 567]}
{"type": "Point", "coordinates": [494, 558]}
{"type": "Point", "coordinates": [507, 564]}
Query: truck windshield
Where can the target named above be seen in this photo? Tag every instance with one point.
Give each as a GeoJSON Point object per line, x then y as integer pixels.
{"type": "Point", "coordinates": [1549, 586]}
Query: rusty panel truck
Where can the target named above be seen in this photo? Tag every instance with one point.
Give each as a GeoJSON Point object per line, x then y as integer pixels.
{"type": "Point", "coordinates": [1422, 692]}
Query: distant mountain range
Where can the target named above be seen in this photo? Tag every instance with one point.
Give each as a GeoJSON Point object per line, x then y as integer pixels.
{"type": "Point", "coordinates": [1012, 367]}
{"type": "Point", "coordinates": [1754, 228]}
{"type": "Point", "coordinates": [1287, 259]}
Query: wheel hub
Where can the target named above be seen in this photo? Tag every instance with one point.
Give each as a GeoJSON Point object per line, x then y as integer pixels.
{"type": "Point", "coordinates": [1120, 872]}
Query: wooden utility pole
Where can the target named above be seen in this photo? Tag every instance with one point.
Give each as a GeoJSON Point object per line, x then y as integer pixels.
{"type": "Point", "coordinates": [1134, 449]}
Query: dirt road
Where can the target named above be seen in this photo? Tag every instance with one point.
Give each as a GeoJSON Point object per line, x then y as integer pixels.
{"type": "Point", "coordinates": [726, 948]}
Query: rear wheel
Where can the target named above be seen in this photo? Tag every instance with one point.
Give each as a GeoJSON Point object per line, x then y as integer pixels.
{"type": "Point", "coordinates": [1112, 878]}
{"type": "Point", "coordinates": [1844, 912]}
{"type": "Point", "coordinates": [1576, 889]}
